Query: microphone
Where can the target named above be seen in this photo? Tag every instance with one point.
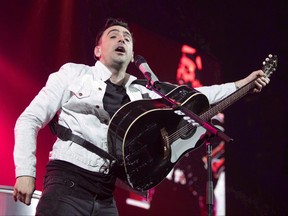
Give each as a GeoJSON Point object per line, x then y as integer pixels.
{"type": "Point", "coordinates": [141, 63]}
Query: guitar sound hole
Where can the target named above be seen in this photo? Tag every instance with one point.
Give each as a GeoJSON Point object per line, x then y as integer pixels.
{"type": "Point", "coordinates": [185, 129]}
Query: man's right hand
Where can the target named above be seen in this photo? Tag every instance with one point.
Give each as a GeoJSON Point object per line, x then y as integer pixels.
{"type": "Point", "coordinates": [23, 189]}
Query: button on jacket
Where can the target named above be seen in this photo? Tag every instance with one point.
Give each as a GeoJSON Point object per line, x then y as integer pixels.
{"type": "Point", "coordinates": [76, 93]}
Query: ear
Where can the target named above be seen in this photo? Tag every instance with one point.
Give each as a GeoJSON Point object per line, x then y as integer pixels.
{"type": "Point", "coordinates": [97, 51]}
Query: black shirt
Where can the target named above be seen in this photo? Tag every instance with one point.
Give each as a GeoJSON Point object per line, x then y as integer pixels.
{"type": "Point", "coordinates": [115, 97]}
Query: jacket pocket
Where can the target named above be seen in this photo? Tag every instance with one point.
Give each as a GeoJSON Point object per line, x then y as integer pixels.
{"type": "Point", "coordinates": [80, 91]}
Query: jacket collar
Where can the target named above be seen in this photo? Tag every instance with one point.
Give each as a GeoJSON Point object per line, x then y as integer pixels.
{"type": "Point", "coordinates": [103, 73]}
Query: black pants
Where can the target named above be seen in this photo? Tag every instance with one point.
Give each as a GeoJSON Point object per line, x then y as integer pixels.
{"type": "Point", "coordinates": [67, 195]}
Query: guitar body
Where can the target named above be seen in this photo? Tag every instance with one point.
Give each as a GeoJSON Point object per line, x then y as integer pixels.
{"type": "Point", "coordinates": [148, 137]}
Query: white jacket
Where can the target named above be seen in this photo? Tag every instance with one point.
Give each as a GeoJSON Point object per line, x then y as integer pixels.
{"type": "Point", "coordinates": [76, 92]}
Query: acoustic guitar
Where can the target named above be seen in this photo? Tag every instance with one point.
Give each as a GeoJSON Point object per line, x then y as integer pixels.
{"type": "Point", "coordinates": [148, 137]}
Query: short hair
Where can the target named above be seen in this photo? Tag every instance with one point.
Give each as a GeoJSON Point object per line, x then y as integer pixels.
{"type": "Point", "coordinates": [111, 22]}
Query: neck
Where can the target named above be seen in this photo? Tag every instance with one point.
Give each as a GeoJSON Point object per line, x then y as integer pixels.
{"type": "Point", "coordinates": [118, 79]}
{"type": "Point", "coordinates": [119, 76]}
{"type": "Point", "coordinates": [118, 71]}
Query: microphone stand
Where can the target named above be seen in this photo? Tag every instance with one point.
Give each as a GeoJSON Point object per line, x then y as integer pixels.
{"type": "Point", "coordinates": [210, 133]}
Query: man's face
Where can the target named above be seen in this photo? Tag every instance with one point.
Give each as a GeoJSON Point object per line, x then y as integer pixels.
{"type": "Point", "coordinates": [115, 46]}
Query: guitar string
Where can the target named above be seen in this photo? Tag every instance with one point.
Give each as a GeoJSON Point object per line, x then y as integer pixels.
{"type": "Point", "coordinates": [182, 130]}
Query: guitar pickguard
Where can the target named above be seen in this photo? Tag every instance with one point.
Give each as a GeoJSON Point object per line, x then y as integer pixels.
{"type": "Point", "coordinates": [181, 146]}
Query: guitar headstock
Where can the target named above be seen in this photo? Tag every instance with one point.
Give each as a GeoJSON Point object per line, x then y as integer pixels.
{"type": "Point", "coordinates": [270, 64]}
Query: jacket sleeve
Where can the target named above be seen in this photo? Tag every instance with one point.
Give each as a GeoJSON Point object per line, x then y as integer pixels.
{"type": "Point", "coordinates": [37, 114]}
{"type": "Point", "coordinates": [216, 93]}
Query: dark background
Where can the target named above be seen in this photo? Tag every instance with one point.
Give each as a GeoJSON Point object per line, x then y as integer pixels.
{"type": "Point", "coordinates": [37, 37]}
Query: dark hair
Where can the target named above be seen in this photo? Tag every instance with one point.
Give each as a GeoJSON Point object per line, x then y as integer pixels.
{"type": "Point", "coordinates": [111, 22]}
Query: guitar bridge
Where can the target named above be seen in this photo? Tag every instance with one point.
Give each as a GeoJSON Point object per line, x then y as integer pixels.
{"type": "Point", "coordinates": [165, 142]}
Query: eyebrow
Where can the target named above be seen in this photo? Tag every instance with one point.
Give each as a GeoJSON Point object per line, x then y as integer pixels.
{"type": "Point", "coordinates": [116, 30]}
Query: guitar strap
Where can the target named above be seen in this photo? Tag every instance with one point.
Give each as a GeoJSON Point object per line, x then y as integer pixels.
{"type": "Point", "coordinates": [66, 134]}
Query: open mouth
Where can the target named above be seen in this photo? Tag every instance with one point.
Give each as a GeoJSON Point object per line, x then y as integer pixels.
{"type": "Point", "coordinates": [120, 49]}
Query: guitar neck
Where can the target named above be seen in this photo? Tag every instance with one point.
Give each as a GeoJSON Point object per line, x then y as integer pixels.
{"type": "Point", "coordinates": [225, 103]}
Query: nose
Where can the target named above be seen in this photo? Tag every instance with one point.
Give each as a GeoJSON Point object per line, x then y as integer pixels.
{"type": "Point", "coordinates": [121, 38]}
